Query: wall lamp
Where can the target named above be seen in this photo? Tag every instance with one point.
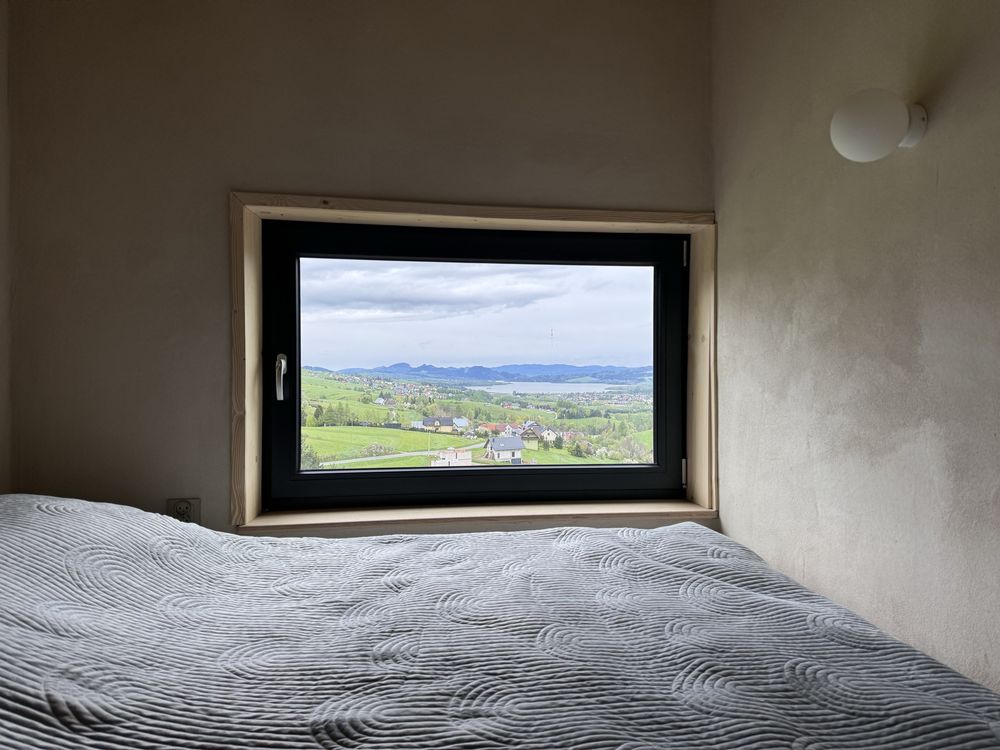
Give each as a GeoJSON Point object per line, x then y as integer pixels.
{"type": "Point", "coordinates": [873, 123]}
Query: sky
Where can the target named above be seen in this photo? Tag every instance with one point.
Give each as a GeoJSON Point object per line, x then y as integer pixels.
{"type": "Point", "coordinates": [366, 313]}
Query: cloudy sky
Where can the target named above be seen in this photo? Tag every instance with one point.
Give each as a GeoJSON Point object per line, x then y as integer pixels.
{"type": "Point", "coordinates": [365, 313]}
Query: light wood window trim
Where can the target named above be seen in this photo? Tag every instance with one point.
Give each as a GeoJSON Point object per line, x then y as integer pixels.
{"type": "Point", "coordinates": [248, 209]}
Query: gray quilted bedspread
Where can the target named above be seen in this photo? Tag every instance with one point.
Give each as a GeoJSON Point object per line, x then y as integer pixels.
{"type": "Point", "coordinates": [124, 629]}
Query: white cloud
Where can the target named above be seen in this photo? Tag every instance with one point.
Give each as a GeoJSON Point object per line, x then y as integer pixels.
{"type": "Point", "coordinates": [364, 313]}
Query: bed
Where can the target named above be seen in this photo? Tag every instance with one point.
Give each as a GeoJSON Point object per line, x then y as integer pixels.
{"type": "Point", "coordinates": [126, 629]}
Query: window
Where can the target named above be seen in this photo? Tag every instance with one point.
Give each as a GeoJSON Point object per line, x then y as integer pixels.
{"type": "Point", "coordinates": [435, 365]}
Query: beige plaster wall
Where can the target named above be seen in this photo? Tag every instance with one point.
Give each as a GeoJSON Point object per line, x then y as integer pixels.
{"type": "Point", "coordinates": [133, 120]}
{"type": "Point", "coordinates": [5, 261]}
{"type": "Point", "coordinates": [859, 313]}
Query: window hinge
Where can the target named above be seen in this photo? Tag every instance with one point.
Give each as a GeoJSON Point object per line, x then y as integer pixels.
{"type": "Point", "coordinates": [684, 472]}
{"type": "Point", "coordinates": [685, 253]}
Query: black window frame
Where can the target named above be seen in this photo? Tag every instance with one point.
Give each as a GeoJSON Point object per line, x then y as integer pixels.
{"type": "Point", "coordinates": [286, 487]}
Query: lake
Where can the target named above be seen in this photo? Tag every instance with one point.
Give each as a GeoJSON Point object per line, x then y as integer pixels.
{"type": "Point", "coordinates": [547, 387]}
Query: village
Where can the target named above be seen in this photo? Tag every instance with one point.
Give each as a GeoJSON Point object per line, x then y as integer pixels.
{"type": "Point", "coordinates": [505, 442]}
{"type": "Point", "coordinates": [362, 422]}
{"type": "Point", "coordinates": [402, 391]}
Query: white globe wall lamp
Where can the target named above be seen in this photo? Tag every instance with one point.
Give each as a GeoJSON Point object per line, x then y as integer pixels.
{"type": "Point", "coordinates": [873, 123]}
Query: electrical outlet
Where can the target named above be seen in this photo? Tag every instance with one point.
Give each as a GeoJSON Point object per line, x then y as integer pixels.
{"type": "Point", "coordinates": [187, 509]}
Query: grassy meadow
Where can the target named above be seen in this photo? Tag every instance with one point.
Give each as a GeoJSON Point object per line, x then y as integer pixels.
{"type": "Point", "coordinates": [342, 443]}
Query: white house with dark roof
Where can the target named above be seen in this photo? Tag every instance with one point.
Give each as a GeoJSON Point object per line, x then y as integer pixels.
{"type": "Point", "coordinates": [504, 449]}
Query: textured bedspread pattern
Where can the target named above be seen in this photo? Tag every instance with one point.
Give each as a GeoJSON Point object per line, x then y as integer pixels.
{"type": "Point", "coordinates": [123, 629]}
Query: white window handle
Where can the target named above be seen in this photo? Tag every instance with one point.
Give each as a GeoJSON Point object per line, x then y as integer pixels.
{"type": "Point", "coordinates": [280, 368]}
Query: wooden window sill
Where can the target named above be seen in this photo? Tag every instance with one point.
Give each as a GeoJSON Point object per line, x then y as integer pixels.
{"type": "Point", "coordinates": [463, 518]}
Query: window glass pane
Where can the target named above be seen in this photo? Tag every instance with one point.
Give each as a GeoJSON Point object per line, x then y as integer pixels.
{"type": "Point", "coordinates": [409, 364]}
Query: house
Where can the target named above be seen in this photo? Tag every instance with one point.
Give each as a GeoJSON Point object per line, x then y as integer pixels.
{"type": "Point", "coordinates": [531, 435]}
{"type": "Point", "coordinates": [438, 424]}
{"type": "Point", "coordinates": [460, 423]}
{"type": "Point", "coordinates": [502, 428]}
{"type": "Point", "coordinates": [453, 457]}
{"type": "Point", "coordinates": [549, 435]}
{"type": "Point", "coordinates": [392, 425]}
{"type": "Point", "coordinates": [858, 355]}
{"type": "Point", "coordinates": [504, 449]}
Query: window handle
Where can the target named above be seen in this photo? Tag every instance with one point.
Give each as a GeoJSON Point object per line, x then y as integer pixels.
{"type": "Point", "coordinates": [280, 368]}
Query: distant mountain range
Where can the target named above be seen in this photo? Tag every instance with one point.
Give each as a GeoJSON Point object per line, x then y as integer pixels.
{"type": "Point", "coordinates": [504, 373]}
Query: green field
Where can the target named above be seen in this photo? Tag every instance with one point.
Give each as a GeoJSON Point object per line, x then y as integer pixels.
{"type": "Point", "coordinates": [645, 438]}
{"type": "Point", "coordinates": [333, 408]}
{"type": "Point", "coordinates": [340, 443]}
{"type": "Point", "coordinates": [558, 457]}
{"type": "Point", "coordinates": [345, 443]}
{"type": "Point", "coordinates": [551, 457]}
{"type": "Point", "coordinates": [400, 462]}
{"type": "Point", "coordinates": [320, 390]}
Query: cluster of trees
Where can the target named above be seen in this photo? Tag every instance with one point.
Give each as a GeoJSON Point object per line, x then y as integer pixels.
{"type": "Point", "coordinates": [619, 427]}
{"type": "Point", "coordinates": [487, 408]}
{"type": "Point", "coordinates": [369, 396]}
{"type": "Point", "coordinates": [331, 416]}
{"type": "Point", "coordinates": [579, 412]}
{"type": "Point", "coordinates": [308, 458]}
{"type": "Point", "coordinates": [627, 449]}
{"type": "Point", "coordinates": [632, 450]}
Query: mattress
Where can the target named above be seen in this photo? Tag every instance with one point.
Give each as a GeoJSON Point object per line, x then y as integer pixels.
{"type": "Point", "coordinates": [125, 629]}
